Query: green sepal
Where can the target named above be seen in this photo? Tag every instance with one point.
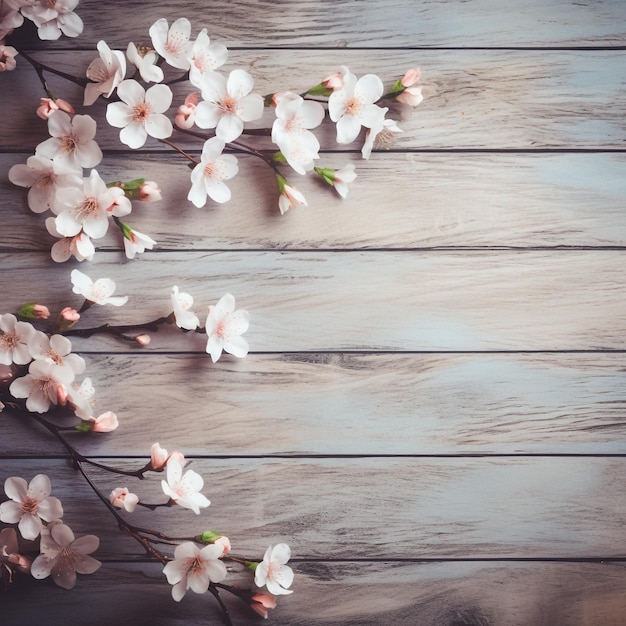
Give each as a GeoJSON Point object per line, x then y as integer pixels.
{"type": "Point", "coordinates": [397, 87]}
{"type": "Point", "coordinates": [83, 427]}
{"type": "Point", "coordinates": [208, 536]}
{"type": "Point", "coordinates": [27, 310]}
{"type": "Point", "coordinates": [320, 90]}
{"type": "Point", "coordinates": [279, 157]}
{"type": "Point", "coordinates": [327, 173]}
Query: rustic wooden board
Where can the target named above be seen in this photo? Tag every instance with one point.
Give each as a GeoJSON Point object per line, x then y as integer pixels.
{"type": "Point", "coordinates": [316, 301]}
{"type": "Point", "coordinates": [358, 23]}
{"type": "Point", "coordinates": [473, 99]}
{"type": "Point", "coordinates": [351, 404]}
{"type": "Point", "coordinates": [371, 508]}
{"type": "Point", "coordinates": [351, 594]}
{"type": "Point", "coordinates": [526, 200]}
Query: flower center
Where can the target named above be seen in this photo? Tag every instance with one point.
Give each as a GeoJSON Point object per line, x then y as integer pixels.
{"type": "Point", "coordinates": [69, 143]}
{"type": "Point", "coordinates": [353, 106]}
{"type": "Point", "coordinates": [175, 43]}
{"type": "Point", "coordinates": [50, 4]}
{"type": "Point", "coordinates": [89, 206]}
{"type": "Point", "coordinates": [228, 105]}
{"type": "Point", "coordinates": [293, 124]}
{"type": "Point", "coordinates": [197, 566]}
{"type": "Point", "coordinates": [221, 329]}
{"type": "Point", "coordinates": [141, 112]}
{"type": "Point", "coordinates": [29, 505]}
{"type": "Point", "coordinates": [45, 181]}
{"type": "Point", "coordinates": [55, 356]}
{"type": "Point", "coordinates": [8, 341]}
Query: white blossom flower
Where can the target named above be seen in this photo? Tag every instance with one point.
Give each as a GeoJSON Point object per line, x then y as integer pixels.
{"type": "Point", "coordinates": [224, 327]}
{"type": "Point", "coordinates": [353, 106]}
{"type": "Point", "coordinates": [205, 57]}
{"type": "Point", "coordinates": [63, 556]}
{"type": "Point", "coordinates": [290, 197]}
{"type": "Point", "coordinates": [339, 179]}
{"type": "Point", "coordinates": [71, 141]}
{"type": "Point", "coordinates": [53, 17]}
{"type": "Point", "coordinates": [135, 242]}
{"type": "Point", "coordinates": [89, 206]}
{"type": "Point", "coordinates": [140, 113]}
{"type": "Point", "coordinates": [172, 43]}
{"type": "Point", "coordinates": [57, 350]}
{"type": "Point", "coordinates": [194, 568]}
{"type": "Point", "coordinates": [105, 423]}
{"type": "Point", "coordinates": [29, 504]}
{"type": "Point", "coordinates": [79, 246]}
{"type": "Point", "coordinates": [182, 303]}
{"type": "Point", "coordinates": [207, 178]}
{"type": "Point", "coordinates": [44, 176]}
{"type": "Point", "coordinates": [42, 386]}
{"type": "Point", "coordinates": [184, 489]}
{"type": "Point", "coordinates": [100, 292]}
{"type": "Point", "coordinates": [294, 116]}
{"type": "Point", "coordinates": [14, 338]}
{"type": "Point", "coordinates": [107, 72]}
{"type": "Point", "coordinates": [122, 498]}
{"type": "Point", "coordinates": [146, 63]}
{"type": "Point", "coordinates": [81, 399]}
{"type": "Point", "coordinates": [272, 571]}
{"type": "Point", "coordinates": [380, 135]}
{"type": "Point", "coordinates": [228, 103]}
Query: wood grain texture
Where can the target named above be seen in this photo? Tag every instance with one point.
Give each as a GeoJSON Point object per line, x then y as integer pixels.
{"type": "Point", "coordinates": [351, 404]}
{"type": "Point", "coordinates": [357, 23]}
{"type": "Point", "coordinates": [352, 594]}
{"type": "Point", "coordinates": [358, 301]}
{"type": "Point", "coordinates": [473, 99]}
{"type": "Point", "coordinates": [525, 200]}
{"type": "Point", "coordinates": [371, 508]}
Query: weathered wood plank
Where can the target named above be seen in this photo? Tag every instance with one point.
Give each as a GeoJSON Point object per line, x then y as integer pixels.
{"type": "Point", "coordinates": [371, 508]}
{"type": "Point", "coordinates": [525, 200]}
{"type": "Point", "coordinates": [473, 99]}
{"type": "Point", "coordinates": [351, 404]}
{"type": "Point", "coordinates": [350, 594]}
{"type": "Point", "coordinates": [302, 301]}
{"type": "Point", "coordinates": [405, 23]}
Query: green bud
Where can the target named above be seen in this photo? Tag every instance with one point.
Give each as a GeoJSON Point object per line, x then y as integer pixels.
{"type": "Point", "coordinates": [397, 87]}
{"type": "Point", "coordinates": [252, 565]}
{"type": "Point", "coordinates": [320, 90]}
{"type": "Point", "coordinates": [126, 229]}
{"type": "Point", "coordinates": [208, 536]}
{"type": "Point", "coordinates": [27, 310]}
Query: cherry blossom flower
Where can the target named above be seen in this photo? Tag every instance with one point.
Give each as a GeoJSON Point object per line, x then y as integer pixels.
{"type": "Point", "coordinates": [411, 76]}
{"type": "Point", "coordinates": [53, 17]}
{"type": "Point", "coordinates": [14, 338]}
{"type": "Point", "coordinates": [186, 113]}
{"type": "Point", "coordinates": [29, 504]}
{"type": "Point", "coordinates": [69, 314]}
{"type": "Point", "coordinates": [140, 113]}
{"type": "Point", "coordinates": [379, 136]}
{"type": "Point", "coordinates": [228, 103]}
{"type": "Point", "coordinates": [172, 43]}
{"type": "Point", "coordinates": [56, 350]}
{"type": "Point", "coordinates": [47, 106]}
{"type": "Point", "coordinates": [100, 292]}
{"type": "Point", "coordinates": [81, 398]}
{"type": "Point", "coordinates": [7, 58]}
{"type": "Point", "coordinates": [411, 96]}
{"type": "Point", "coordinates": [64, 556]}
{"type": "Point", "coordinates": [261, 603]}
{"type": "Point", "coordinates": [10, 558]}
{"type": "Point", "coordinates": [184, 489]}
{"type": "Point", "coordinates": [272, 571]}
{"type": "Point", "coordinates": [294, 116]}
{"type": "Point", "coordinates": [339, 179]}
{"type": "Point", "coordinates": [44, 177]}
{"type": "Point", "coordinates": [159, 457]}
{"type": "Point", "coordinates": [123, 499]}
{"type": "Point", "coordinates": [41, 312]}
{"type": "Point", "coordinates": [289, 197]}
{"type": "Point", "coordinates": [106, 72]}
{"type": "Point", "coordinates": [194, 568]}
{"type": "Point", "coordinates": [105, 423]}
{"type": "Point", "coordinates": [79, 246]}
{"type": "Point", "coordinates": [71, 140]}
{"type": "Point", "coordinates": [334, 81]}
{"type": "Point", "coordinates": [205, 57]}
{"type": "Point", "coordinates": [224, 543]}
{"type": "Point", "coordinates": [207, 178]}
{"type": "Point", "coordinates": [224, 327]}
{"type": "Point", "coordinates": [145, 62]}
{"type": "Point", "coordinates": [183, 315]}
{"type": "Point", "coordinates": [135, 242]}
{"type": "Point", "coordinates": [353, 106]}
{"type": "Point", "coordinates": [89, 206]}
{"type": "Point", "coordinates": [42, 385]}
{"type": "Point", "coordinates": [149, 191]}
{"type": "Point", "coordinates": [10, 18]}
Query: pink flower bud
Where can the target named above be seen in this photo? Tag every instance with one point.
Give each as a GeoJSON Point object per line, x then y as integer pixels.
{"type": "Point", "coordinates": [123, 499]}
{"type": "Point", "coordinates": [41, 312]}
{"type": "Point", "coordinates": [149, 192]}
{"type": "Point", "coordinates": [48, 106]}
{"type": "Point", "coordinates": [105, 423]}
{"type": "Point", "coordinates": [261, 603]}
{"type": "Point", "coordinates": [69, 314]}
{"type": "Point", "coordinates": [224, 542]}
{"type": "Point", "coordinates": [7, 58]}
{"type": "Point", "coordinates": [411, 77]}
{"type": "Point", "coordinates": [177, 456]}
{"type": "Point", "coordinates": [411, 96]}
{"type": "Point", "coordinates": [333, 81]}
{"type": "Point", "coordinates": [158, 457]}
{"type": "Point", "coordinates": [186, 113]}
{"type": "Point", "coordinates": [142, 340]}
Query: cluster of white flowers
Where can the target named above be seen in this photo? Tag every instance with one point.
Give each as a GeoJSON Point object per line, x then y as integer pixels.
{"type": "Point", "coordinates": [51, 18]}
{"type": "Point", "coordinates": [38, 514]}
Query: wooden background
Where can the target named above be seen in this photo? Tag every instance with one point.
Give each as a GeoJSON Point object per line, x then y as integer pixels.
{"type": "Point", "coordinates": [432, 414]}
